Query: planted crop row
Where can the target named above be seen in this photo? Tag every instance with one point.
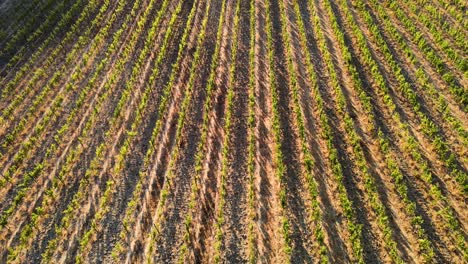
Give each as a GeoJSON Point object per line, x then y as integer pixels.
{"type": "Point", "coordinates": [430, 129]}
{"type": "Point", "coordinates": [307, 161]}
{"type": "Point", "coordinates": [442, 25]}
{"type": "Point", "coordinates": [95, 165]}
{"type": "Point", "coordinates": [436, 61]}
{"type": "Point", "coordinates": [456, 10]}
{"type": "Point", "coordinates": [369, 183]}
{"type": "Point", "coordinates": [174, 153]}
{"type": "Point", "coordinates": [16, 16]}
{"type": "Point", "coordinates": [280, 167]}
{"type": "Point", "coordinates": [354, 228]}
{"type": "Point", "coordinates": [458, 4]}
{"type": "Point", "coordinates": [129, 219]}
{"type": "Point", "coordinates": [32, 142]}
{"type": "Point", "coordinates": [39, 73]}
{"type": "Point", "coordinates": [432, 32]}
{"type": "Point", "coordinates": [113, 182]}
{"type": "Point", "coordinates": [410, 143]}
{"type": "Point", "coordinates": [252, 195]}
{"type": "Point", "coordinates": [401, 186]}
{"type": "Point", "coordinates": [34, 137]}
{"type": "Point", "coordinates": [30, 30]}
{"type": "Point", "coordinates": [354, 140]}
{"type": "Point", "coordinates": [25, 68]}
{"type": "Point", "coordinates": [201, 147]}
{"type": "Point", "coordinates": [131, 133]}
{"type": "Point", "coordinates": [60, 180]}
{"type": "Point", "coordinates": [420, 74]}
{"type": "Point", "coordinates": [218, 244]}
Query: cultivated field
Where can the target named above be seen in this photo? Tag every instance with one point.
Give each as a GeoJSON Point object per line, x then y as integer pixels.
{"type": "Point", "coordinates": [210, 131]}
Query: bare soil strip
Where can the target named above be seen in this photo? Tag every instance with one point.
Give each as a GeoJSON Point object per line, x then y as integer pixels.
{"type": "Point", "coordinates": [259, 131]}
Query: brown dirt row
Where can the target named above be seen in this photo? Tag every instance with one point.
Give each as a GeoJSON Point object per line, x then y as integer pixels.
{"type": "Point", "coordinates": [301, 234]}
{"type": "Point", "coordinates": [67, 193]}
{"type": "Point", "coordinates": [44, 107]}
{"type": "Point", "coordinates": [437, 47]}
{"type": "Point", "coordinates": [419, 200]}
{"type": "Point", "coordinates": [268, 238]}
{"type": "Point", "coordinates": [157, 232]}
{"type": "Point", "coordinates": [331, 213]}
{"type": "Point", "coordinates": [459, 76]}
{"type": "Point", "coordinates": [112, 222]}
{"type": "Point", "coordinates": [172, 223]}
{"type": "Point", "coordinates": [81, 124]}
{"type": "Point", "coordinates": [452, 139]}
{"type": "Point", "coordinates": [109, 160]}
{"type": "Point", "coordinates": [373, 248]}
{"type": "Point", "coordinates": [43, 139]}
{"type": "Point", "coordinates": [204, 223]}
{"type": "Point", "coordinates": [376, 163]}
{"type": "Point", "coordinates": [411, 68]}
{"type": "Point", "coordinates": [158, 167]}
{"type": "Point", "coordinates": [236, 212]}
